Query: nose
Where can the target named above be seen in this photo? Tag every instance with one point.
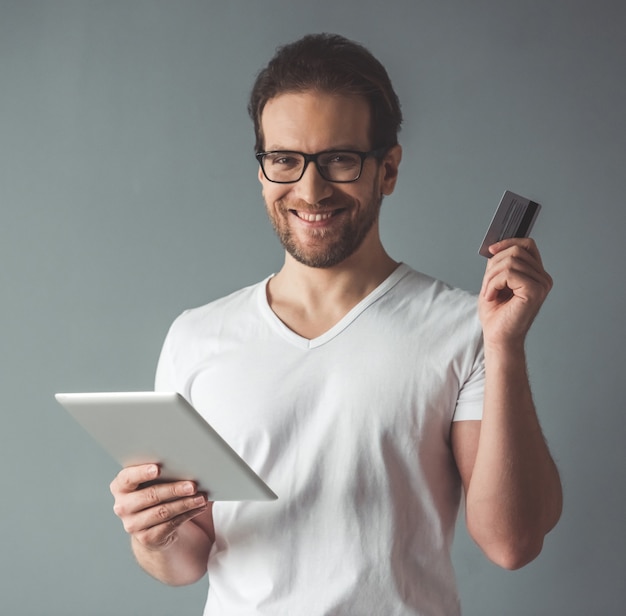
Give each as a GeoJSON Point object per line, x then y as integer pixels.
{"type": "Point", "coordinates": [312, 187]}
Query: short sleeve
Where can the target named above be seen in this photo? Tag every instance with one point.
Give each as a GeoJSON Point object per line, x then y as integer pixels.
{"type": "Point", "coordinates": [469, 404]}
{"type": "Point", "coordinates": [165, 377]}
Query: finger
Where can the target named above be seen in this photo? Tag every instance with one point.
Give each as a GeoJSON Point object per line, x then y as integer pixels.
{"type": "Point", "coordinates": [522, 284]}
{"type": "Point", "coordinates": [527, 243]}
{"type": "Point", "coordinates": [514, 263]}
{"type": "Point", "coordinates": [131, 477]}
{"type": "Point", "coordinates": [161, 535]}
{"type": "Point", "coordinates": [159, 493]}
{"type": "Point", "coordinates": [151, 496]}
{"type": "Point", "coordinates": [522, 281]}
{"type": "Point", "coordinates": [171, 514]}
{"type": "Point", "coordinates": [513, 273]}
{"type": "Point", "coordinates": [519, 280]}
{"type": "Point", "coordinates": [519, 252]}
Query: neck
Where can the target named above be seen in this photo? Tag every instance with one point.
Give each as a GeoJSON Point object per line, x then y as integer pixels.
{"type": "Point", "coordinates": [311, 300]}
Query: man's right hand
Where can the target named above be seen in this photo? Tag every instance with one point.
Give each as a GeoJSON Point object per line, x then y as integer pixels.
{"type": "Point", "coordinates": [153, 514]}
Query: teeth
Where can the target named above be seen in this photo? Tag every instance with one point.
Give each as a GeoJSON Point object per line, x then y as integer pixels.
{"type": "Point", "coordinates": [314, 217]}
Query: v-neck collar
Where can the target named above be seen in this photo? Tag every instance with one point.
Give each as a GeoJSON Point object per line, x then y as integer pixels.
{"type": "Point", "coordinates": [335, 330]}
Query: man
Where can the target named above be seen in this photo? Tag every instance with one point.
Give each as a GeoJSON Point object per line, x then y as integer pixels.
{"type": "Point", "coordinates": [366, 394]}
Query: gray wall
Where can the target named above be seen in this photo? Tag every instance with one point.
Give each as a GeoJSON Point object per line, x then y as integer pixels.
{"type": "Point", "coordinates": [128, 192]}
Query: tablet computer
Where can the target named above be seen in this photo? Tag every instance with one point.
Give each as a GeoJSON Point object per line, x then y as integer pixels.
{"type": "Point", "coordinates": [163, 428]}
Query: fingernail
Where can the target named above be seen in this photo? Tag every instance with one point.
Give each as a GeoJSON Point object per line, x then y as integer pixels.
{"type": "Point", "coordinates": [199, 500]}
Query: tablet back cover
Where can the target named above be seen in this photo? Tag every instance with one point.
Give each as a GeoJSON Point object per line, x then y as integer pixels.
{"type": "Point", "coordinates": [162, 427]}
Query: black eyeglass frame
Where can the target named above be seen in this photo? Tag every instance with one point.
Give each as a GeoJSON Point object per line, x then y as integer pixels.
{"type": "Point", "coordinates": [308, 158]}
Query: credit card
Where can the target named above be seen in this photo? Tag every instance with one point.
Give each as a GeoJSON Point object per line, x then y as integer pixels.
{"type": "Point", "coordinates": [514, 217]}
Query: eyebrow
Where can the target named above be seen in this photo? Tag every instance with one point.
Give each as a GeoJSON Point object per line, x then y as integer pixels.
{"type": "Point", "coordinates": [334, 148]}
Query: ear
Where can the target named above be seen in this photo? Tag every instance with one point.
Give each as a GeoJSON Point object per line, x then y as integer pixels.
{"type": "Point", "coordinates": [389, 169]}
{"type": "Point", "coordinates": [260, 175]}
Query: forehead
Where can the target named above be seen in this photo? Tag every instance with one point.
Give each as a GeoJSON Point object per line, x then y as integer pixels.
{"type": "Point", "coordinates": [312, 121]}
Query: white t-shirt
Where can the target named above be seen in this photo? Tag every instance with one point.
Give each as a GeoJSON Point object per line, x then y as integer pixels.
{"type": "Point", "coordinates": [351, 430]}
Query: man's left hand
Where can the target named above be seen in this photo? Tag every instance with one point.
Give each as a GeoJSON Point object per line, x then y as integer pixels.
{"type": "Point", "coordinates": [514, 287]}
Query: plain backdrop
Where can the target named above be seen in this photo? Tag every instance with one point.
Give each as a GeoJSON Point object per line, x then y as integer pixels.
{"type": "Point", "coordinates": [128, 193]}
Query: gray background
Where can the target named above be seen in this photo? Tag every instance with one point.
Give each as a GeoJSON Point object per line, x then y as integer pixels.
{"type": "Point", "coordinates": [128, 192]}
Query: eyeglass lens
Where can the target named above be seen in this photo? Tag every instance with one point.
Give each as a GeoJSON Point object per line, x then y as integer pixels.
{"type": "Point", "coordinates": [333, 166]}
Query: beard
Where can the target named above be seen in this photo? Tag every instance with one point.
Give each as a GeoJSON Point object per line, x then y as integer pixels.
{"type": "Point", "coordinates": [327, 247]}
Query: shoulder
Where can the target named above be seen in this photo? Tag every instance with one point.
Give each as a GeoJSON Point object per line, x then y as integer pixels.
{"type": "Point", "coordinates": [435, 297]}
{"type": "Point", "coordinates": [216, 313]}
{"type": "Point", "coordinates": [436, 315]}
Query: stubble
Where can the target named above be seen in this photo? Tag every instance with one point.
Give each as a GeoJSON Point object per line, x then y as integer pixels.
{"type": "Point", "coordinates": [328, 247]}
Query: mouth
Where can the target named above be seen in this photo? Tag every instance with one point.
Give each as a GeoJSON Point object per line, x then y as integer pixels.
{"type": "Point", "coordinates": [315, 216]}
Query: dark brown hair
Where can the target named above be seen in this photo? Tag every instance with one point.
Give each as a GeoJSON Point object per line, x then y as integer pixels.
{"type": "Point", "coordinates": [333, 64]}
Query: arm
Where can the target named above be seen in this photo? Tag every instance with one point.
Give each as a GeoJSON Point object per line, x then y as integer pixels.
{"type": "Point", "coordinates": [512, 487]}
{"type": "Point", "coordinates": [170, 524]}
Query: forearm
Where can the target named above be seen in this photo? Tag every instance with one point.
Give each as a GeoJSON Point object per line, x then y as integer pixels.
{"type": "Point", "coordinates": [184, 561]}
{"type": "Point", "coordinates": [514, 496]}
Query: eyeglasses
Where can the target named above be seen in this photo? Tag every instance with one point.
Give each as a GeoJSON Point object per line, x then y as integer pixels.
{"type": "Point", "coordinates": [341, 166]}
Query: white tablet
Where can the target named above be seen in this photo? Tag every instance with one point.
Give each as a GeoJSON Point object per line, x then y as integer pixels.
{"type": "Point", "coordinates": [162, 427]}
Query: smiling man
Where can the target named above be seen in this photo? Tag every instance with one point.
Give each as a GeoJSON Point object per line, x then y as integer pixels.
{"type": "Point", "coordinates": [321, 207]}
{"type": "Point", "coordinates": [369, 396]}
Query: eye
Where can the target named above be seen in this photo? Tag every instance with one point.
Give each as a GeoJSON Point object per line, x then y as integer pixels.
{"type": "Point", "coordinates": [283, 159]}
{"type": "Point", "coordinates": [341, 159]}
